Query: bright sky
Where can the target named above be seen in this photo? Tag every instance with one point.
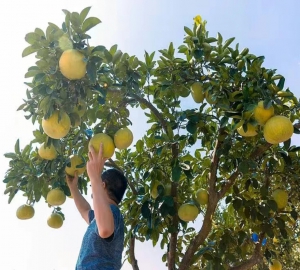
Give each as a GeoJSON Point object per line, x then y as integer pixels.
{"type": "Point", "coordinates": [269, 28]}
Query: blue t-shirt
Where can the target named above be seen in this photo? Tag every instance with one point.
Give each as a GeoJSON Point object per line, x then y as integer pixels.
{"type": "Point", "coordinates": [97, 253]}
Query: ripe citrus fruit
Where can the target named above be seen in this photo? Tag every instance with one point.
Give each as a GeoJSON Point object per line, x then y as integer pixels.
{"type": "Point", "coordinates": [262, 115]}
{"type": "Point", "coordinates": [56, 197]}
{"type": "Point", "coordinates": [75, 161]}
{"type": "Point", "coordinates": [55, 221]}
{"type": "Point", "coordinates": [197, 92]}
{"type": "Point", "coordinates": [25, 211]}
{"type": "Point", "coordinates": [251, 131]}
{"type": "Point", "coordinates": [48, 153]}
{"type": "Point", "coordinates": [278, 129]}
{"type": "Point", "coordinates": [56, 127]}
{"type": "Point", "coordinates": [123, 138]}
{"type": "Point", "coordinates": [108, 144]}
{"type": "Point", "coordinates": [72, 64]}
{"type": "Point", "coordinates": [188, 212]}
{"type": "Point", "coordinates": [275, 265]}
{"type": "Point", "coordinates": [280, 197]}
{"type": "Point", "coordinates": [202, 196]}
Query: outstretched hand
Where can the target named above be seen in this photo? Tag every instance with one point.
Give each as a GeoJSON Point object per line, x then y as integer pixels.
{"type": "Point", "coordinates": [95, 163]}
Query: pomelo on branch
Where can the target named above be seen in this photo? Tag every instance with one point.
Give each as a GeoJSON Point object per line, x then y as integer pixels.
{"type": "Point", "coordinates": [262, 115]}
{"type": "Point", "coordinates": [48, 153]}
{"type": "Point", "coordinates": [72, 64]}
{"type": "Point", "coordinates": [76, 164]}
{"type": "Point", "coordinates": [55, 221]}
{"type": "Point", "coordinates": [281, 198]}
{"type": "Point", "coordinates": [56, 197]}
{"type": "Point", "coordinates": [123, 138]}
{"type": "Point", "coordinates": [251, 131]}
{"type": "Point", "coordinates": [278, 129]}
{"type": "Point", "coordinates": [188, 212]}
{"type": "Point", "coordinates": [202, 196]}
{"type": "Point", "coordinates": [57, 125]}
{"type": "Point", "coordinates": [275, 265]}
{"type": "Point", "coordinates": [25, 211]}
{"type": "Point", "coordinates": [108, 144]}
{"type": "Point", "coordinates": [197, 92]}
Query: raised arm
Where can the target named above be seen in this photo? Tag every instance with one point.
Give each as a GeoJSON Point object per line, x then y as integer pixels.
{"type": "Point", "coordinates": [101, 201]}
{"type": "Point", "coordinates": [82, 205]}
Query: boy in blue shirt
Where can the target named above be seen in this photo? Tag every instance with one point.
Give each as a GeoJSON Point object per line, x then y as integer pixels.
{"type": "Point", "coordinates": [103, 242]}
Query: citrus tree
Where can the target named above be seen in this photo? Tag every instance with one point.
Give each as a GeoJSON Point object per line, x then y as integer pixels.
{"type": "Point", "coordinates": [218, 144]}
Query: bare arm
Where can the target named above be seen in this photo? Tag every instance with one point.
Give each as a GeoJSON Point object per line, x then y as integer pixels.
{"type": "Point", "coordinates": [103, 214]}
{"type": "Point", "coordinates": [82, 205]}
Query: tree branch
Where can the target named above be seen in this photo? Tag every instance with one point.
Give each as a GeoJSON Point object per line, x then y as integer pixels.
{"type": "Point", "coordinates": [175, 220]}
{"type": "Point", "coordinates": [133, 260]}
{"type": "Point", "coordinates": [211, 207]}
{"type": "Point", "coordinates": [158, 115]}
{"type": "Point", "coordinates": [255, 258]}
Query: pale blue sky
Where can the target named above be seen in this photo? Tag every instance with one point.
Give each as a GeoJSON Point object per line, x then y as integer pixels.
{"type": "Point", "coordinates": [269, 28]}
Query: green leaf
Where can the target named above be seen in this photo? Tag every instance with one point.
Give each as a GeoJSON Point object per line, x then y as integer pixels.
{"type": "Point", "coordinates": [139, 146]}
{"type": "Point", "coordinates": [84, 13]}
{"type": "Point", "coordinates": [188, 31]}
{"type": "Point", "coordinates": [32, 38]}
{"type": "Point", "coordinates": [176, 172]}
{"type": "Point", "coordinates": [17, 147]}
{"type": "Point", "coordinates": [145, 210]}
{"type": "Point", "coordinates": [10, 155]}
{"type": "Point", "coordinates": [281, 83]}
{"type": "Point", "coordinates": [243, 167]}
{"type": "Point", "coordinates": [90, 23]}
{"type": "Point", "coordinates": [75, 19]}
{"type": "Point", "coordinates": [99, 48]}
{"type": "Point", "coordinates": [237, 203]}
{"type": "Point", "coordinates": [191, 127]}
{"type": "Point", "coordinates": [29, 50]}
{"type": "Point", "coordinates": [92, 71]}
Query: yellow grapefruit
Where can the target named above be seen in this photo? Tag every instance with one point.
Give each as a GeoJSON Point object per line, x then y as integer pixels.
{"type": "Point", "coordinates": [202, 196]}
{"type": "Point", "coordinates": [108, 144]}
{"type": "Point", "coordinates": [123, 138]}
{"type": "Point", "coordinates": [188, 212]}
{"type": "Point", "coordinates": [275, 265]}
{"type": "Point", "coordinates": [55, 221]}
{"type": "Point", "coordinates": [278, 129]}
{"type": "Point", "coordinates": [280, 197]}
{"type": "Point", "coordinates": [251, 131]}
{"type": "Point", "coordinates": [56, 127]}
{"type": "Point", "coordinates": [56, 197]}
{"type": "Point", "coordinates": [262, 115]}
{"type": "Point", "coordinates": [72, 64]}
{"type": "Point", "coordinates": [75, 161]}
{"type": "Point", "coordinates": [25, 211]}
{"type": "Point", "coordinates": [197, 92]}
{"type": "Point", "coordinates": [48, 153]}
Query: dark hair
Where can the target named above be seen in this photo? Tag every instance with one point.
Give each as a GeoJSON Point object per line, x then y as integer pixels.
{"type": "Point", "coordinates": [116, 184]}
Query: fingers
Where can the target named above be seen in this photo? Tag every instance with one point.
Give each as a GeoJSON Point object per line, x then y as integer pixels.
{"type": "Point", "coordinates": [100, 154]}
